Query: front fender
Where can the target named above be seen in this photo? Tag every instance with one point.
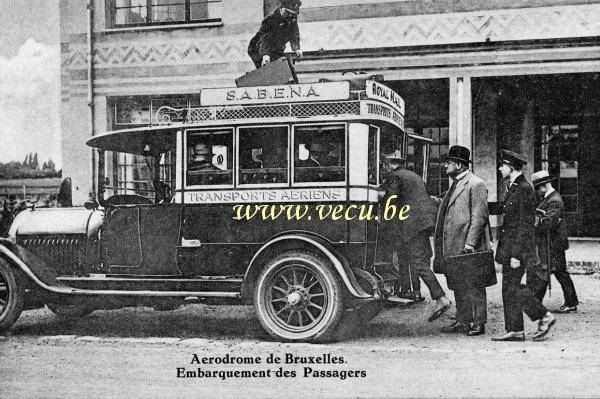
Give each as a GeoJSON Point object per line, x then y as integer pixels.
{"type": "Point", "coordinates": [303, 240]}
{"type": "Point", "coordinates": [35, 269]}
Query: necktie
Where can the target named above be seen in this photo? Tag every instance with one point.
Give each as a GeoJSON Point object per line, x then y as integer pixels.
{"type": "Point", "coordinates": [439, 242]}
{"type": "Point", "coordinates": [446, 200]}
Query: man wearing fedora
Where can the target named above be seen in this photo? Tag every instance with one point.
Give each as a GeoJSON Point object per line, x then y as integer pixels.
{"type": "Point", "coordinates": [277, 29]}
{"type": "Point", "coordinates": [551, 240]}
{"type": "Point", "coordinates": [517, 252]}
{"type": "Point", "coordinates": [410, 237]}
{"type": "Point", "coordinates": [462, 219]}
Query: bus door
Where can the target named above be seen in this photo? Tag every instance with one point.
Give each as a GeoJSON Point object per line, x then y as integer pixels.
{"type": "Point", "coordinates": [417, 154]}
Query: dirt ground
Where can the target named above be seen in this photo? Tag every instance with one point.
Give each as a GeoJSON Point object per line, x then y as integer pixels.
{"type": "Point", "coordinates": [138, 353]}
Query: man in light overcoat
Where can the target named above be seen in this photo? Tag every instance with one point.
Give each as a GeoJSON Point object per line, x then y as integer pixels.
{"type": "Point", "coordinates": [461, 228]}
{"type": "Point", "coordinates": [552, 241]}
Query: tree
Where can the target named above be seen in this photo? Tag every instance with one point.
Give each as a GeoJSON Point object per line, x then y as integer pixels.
{"type": "Point", "coordinates": [35, 164]}
{"type": "Point", "coordinates": [50, 166]}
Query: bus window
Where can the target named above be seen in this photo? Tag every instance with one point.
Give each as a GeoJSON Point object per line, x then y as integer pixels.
{"type": "Point", "coordinates": [263, 155]}
{"type": "Point", "coordinates": [209, 158]}
{"type": "Point", "coordinates": [372, 157]}
{"type": "Point", "coordinates": [319, 153]}
{"type": "Point", "coordinates": [390, 140]}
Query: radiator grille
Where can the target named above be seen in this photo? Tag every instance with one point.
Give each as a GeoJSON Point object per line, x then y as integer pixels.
{"type": "Point", "coordinates": [66, 254]}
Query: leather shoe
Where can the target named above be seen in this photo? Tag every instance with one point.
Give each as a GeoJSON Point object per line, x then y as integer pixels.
{"type": "Point", "coordinates": [442, 305]}
{"type": "Point", "coordinates": [412, 295]}
{"type": "Point", "coordinates": [567, 309]}
{"type": "Point", "coordinates": [476, 329]}
{"type": "Point", "coordinates": [456, 327]}
{"type": "Point", "coordinates": [544, 326]}
{"type": "Point", "coordinates": [511, 336]}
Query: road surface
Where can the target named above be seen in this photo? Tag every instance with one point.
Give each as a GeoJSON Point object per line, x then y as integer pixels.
{"type": "Point", "coordinates": [201, 351]}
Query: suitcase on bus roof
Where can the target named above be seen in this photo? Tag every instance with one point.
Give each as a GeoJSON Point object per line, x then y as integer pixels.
{"type": "Point", "coordinates": [278, 72]}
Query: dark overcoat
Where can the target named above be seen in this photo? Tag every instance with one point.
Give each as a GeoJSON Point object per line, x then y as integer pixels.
{"type": "Point", "coordinates": [517, 234]}
{"type": "Point", "coordinates": [275, 31]}
{"type": "Point", "coordinates": [464, 223]}
{"type": "Point", "coordinates": [410, 190]}
{"type": "Point", "coordinates": [551, 224]}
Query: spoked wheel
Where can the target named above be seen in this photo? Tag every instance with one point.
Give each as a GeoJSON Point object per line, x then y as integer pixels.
{"type": "Point", "coordinates": [298, 298]}
{"type": "Point", "coordinates": [12, 296]}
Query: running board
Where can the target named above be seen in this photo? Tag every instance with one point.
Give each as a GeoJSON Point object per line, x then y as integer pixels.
{"type": "Point", "coordinates": [139, 293]}
{"type": "Point", "coordinates": [140, 283]}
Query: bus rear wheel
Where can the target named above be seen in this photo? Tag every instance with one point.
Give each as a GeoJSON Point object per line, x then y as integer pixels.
{"type": "Point", "coordinates": [299, 298]}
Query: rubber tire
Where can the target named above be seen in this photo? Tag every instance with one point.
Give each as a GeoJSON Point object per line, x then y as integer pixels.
{"type": "Point", "coordinates": [325, 329]}
{"type": "Point", "coordinates": [70, 312]}
{"type": "Point", "coordinates": [16, 296]}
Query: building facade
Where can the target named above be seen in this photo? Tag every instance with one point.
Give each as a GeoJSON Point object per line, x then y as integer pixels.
{"type": "Point", "coordinates": [523, 75]}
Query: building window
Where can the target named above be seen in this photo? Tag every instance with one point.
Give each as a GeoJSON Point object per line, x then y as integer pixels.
{"type": "Point", "coordinates": [135, 174]}
{"type": "Point", "coordinates": [437, 180]}
{"type": "Point", "coordinates": [558, 154]}
{"type": "Point", "coordinates": [130, 13]}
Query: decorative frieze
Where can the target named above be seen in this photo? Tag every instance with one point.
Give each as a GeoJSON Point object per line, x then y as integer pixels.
{"type": "Point", "coordinates": [415, 30]}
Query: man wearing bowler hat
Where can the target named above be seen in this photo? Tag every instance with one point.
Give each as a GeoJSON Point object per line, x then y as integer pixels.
{"type": "Point", "coordinates": [517, 254]}
{"type": "Point", "coordinates": [462, 219]}
{"type": "Point", "coordinates": [277, 29]}
{"type": "Point", "coordinates": [410, 237]}
{"type": "Point", "coordinates": [551, 240]}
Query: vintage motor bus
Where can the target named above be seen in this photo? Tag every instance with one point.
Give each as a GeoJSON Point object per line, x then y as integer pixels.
{"type": "Point", "coordinates": [273, 202]}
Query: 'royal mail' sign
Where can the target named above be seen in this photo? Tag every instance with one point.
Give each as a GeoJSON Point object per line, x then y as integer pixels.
{"type": "Point", "coordinates": [276, 94]}
{"type": "Point", "coordinates": [379, 92]}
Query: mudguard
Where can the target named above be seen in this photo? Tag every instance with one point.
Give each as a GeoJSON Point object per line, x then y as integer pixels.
{"type": "Point", "coordinates": [306, 240]}
{"type": "Point", "coordinates": [33, 267]}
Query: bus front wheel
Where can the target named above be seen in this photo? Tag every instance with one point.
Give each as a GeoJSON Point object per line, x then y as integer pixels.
{"type": "Point", "coordinates": [12, 295]}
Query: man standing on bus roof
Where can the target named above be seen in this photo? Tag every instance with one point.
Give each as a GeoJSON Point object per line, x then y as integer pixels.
{"type": "Point", "coordinates": [410, 237]}
{"type": "Point", "coordinates": [277, 29]}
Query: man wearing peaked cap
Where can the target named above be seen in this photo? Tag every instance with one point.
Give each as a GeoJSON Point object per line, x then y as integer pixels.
{"type": "Point", "coordinates": [513, 159]}
{"type": "Point", "coordinates": [517, 252]}
{"type": "Point", "coordinates": [277, 29]}
{"type": "Point", "coordinates": [552, 242]}
{"type": "Point", "coordinates": [462, 218]}
{"type": "Point", "coordinates": [411, 236]}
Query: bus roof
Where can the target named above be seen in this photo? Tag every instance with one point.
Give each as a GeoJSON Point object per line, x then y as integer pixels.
{"type": "Point", "coordinates": [306, 102]}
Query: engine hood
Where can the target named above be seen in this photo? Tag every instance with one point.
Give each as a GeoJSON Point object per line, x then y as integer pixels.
{"type": "Point", "coordinates": [57, 221]}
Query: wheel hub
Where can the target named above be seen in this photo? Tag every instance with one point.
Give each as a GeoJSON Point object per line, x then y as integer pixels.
{"type": "Point", "coordinates": [298, 297]}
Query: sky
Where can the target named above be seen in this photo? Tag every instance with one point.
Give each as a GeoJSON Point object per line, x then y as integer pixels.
{"type": "Point", "coordinates": [29, 80]}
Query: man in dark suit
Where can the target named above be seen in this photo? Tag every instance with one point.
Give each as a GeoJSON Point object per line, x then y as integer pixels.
{"type": "Point", "coordinates": [410, 237]}
{"type": "Point", "coordinates": [516, 252]}
{"type": "Point", "coordinates": [277, 29]}
{"type": "Point", "coordinates": [461, 224]}
{"type": "Point", "coordinates": [551, 239]}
